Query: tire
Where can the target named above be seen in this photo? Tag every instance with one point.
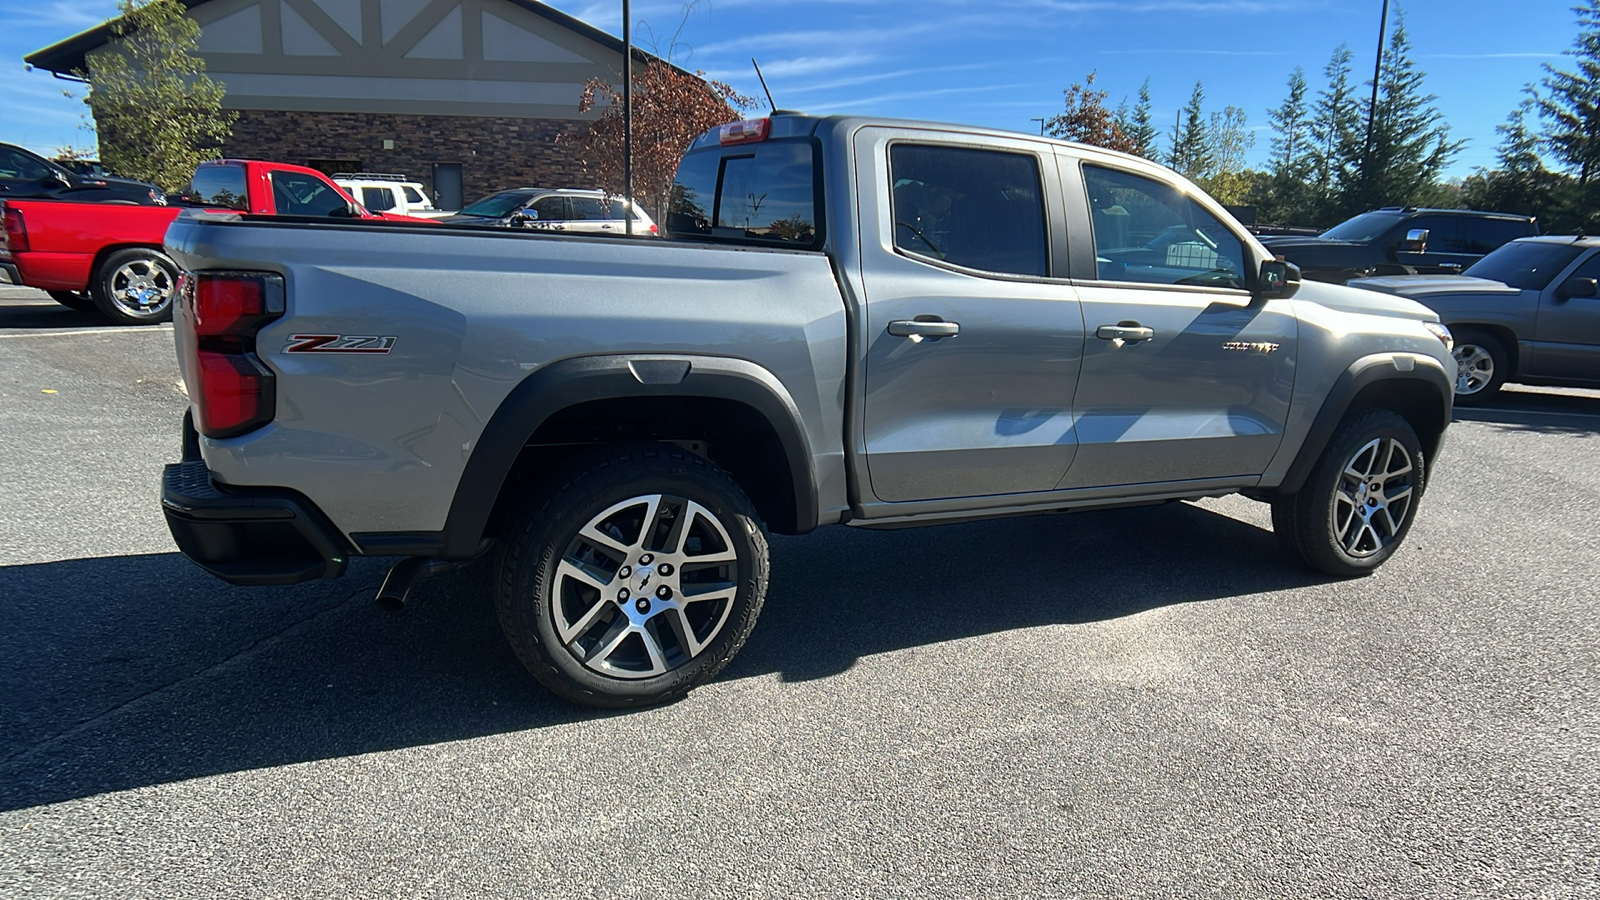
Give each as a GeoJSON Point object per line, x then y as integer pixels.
{"type": "Point", "coordinates": [571, 566]}
{"type": "Point", "coordinates": [1338, 524]}
{"type": "Point", "coordinates": [73, 300]}
{"type": "Point", "coordinates": [1482, 365]}
{"type": "Point", "coordinates": [135, 286]}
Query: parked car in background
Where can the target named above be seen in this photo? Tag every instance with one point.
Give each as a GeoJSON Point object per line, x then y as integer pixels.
{"type": "Point", "coordinates": [380, 192]}
{"type": "Point", "coordinates": [25, 174]}
{"type": "Point", "coordinates": [549, 209]}
{"type": "Point", "coordinates": [109, 257]}
{"type": "Point", "coordinates": [1400, 241]}
{"type": "Point", "coordinates": [1527, 313]}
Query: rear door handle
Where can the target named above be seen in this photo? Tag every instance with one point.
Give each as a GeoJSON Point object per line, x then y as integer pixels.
{"type": "Point", "coordinates": [1127, 332]}
{"type": "Point", "coordinates": [917, 329]}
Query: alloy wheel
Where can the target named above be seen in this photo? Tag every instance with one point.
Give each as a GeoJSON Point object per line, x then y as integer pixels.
{"type": "Point", "coordinates": [1373, 497]}
{"type": "Point", "coordinates": [644, 587]}
{"type": "Point", "coordinates": [1474, 368]}
{"type": "Point", "coordinates": [141, 287]}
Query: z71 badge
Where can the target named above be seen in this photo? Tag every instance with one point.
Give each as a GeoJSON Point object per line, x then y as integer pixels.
{"type": "Point", "coordinates": [339, 343]}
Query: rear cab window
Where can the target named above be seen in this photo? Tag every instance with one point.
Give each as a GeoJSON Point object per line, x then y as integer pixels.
{"type": "Point", "coordinates": [219, 186]}
{"type": "Point", "coordinates": [764, 192]}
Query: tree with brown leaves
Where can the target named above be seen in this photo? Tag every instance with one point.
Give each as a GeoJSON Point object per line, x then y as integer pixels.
{"type": "Point", "coordinates": [670, 109]}
{"type": "Point", "coordinates": [1088, 120]}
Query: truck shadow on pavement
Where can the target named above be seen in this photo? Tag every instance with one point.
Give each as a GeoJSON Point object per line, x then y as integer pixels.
{"type": "Point", "coordinates": [127, 672]}
{"type": "Point", "coordinates": [42, 312]}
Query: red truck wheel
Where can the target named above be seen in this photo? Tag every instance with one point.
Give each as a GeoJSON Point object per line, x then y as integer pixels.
{"type": "Point", "coordinates": [136, 286]}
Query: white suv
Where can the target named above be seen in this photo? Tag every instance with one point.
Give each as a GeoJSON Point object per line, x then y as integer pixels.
{"type": "Point", "coordinates": [547, 209]}
{"type": "Point", "coordinates": [381, 193]}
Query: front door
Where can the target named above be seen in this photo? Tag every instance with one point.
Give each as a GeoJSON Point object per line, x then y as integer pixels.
{"type": "Point", "coordinates": [973, 338]}
{"type": "Point", "coordinates": [1184, 377]}
{"type": "Point", "coordinates": [1566, 339]}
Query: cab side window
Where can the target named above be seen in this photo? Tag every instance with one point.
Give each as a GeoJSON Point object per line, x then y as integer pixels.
{"type": "Point", "coordinates": [589, 208]}
{"type": "Point", "coordinates": [550, 208]}
{"type": "Point", "coordinates": [979, 209]}
{"type": "Point", "coordinates": [377, 199]}
{"type": "Point", "coordinates": [1149, 232]}
{"type": "Point", "coordinates": [19, 165]}
{"type": "Point", "coordinates": [297, 194]}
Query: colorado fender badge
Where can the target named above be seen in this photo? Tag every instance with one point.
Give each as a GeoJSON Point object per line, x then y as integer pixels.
{"type": "Point", "coordinates": [339, 343]}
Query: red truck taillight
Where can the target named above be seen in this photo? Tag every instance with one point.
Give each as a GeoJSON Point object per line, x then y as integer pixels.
{"type": "Point", "coordinates": [16, 231]}
{"type": "Point", "coordinates": [233, 390]}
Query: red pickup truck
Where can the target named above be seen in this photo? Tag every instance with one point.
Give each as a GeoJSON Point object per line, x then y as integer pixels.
{"type": "Point", "coordinates": [108, 257]}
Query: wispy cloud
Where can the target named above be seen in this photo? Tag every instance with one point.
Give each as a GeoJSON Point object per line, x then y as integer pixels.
{"type": "Point", "coordinates": [805, 65]}
{"type": "Point", "coordinates": [1546, 55]}
{"type": "Point", "coordinates": [61, 15]}
{"type": "Point", "coordinates": [919, 95]}
{"type": "Point", "coordinates": [1186, 51]}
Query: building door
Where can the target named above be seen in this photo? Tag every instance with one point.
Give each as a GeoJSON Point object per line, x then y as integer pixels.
{"type": "Point", "coordinates": [447, 186]}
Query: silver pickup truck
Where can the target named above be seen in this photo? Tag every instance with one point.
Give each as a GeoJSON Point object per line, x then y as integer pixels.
{"type": "Point", "coordinates": [853, 321]}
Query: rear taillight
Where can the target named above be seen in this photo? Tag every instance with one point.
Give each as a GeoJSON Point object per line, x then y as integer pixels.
{"type": "Point", "coordinates": [16, 231]}
{"type": "Point", "coordinates": [654, 229]}
{"type": "Point", "coordinates": [232, 389]}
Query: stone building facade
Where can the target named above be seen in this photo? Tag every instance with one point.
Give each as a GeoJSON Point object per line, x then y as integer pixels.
{"type": "Point", "coordinates": [465, 96]}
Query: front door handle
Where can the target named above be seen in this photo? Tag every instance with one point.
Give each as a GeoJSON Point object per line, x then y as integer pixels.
{"type": "Point", "coordinates": [917, 329]}
{"type": "Point", "coordinates": [1126, 332]}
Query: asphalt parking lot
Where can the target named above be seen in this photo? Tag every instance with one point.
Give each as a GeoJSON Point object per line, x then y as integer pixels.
{"type": "Point", "coordinates": [1141, 703]}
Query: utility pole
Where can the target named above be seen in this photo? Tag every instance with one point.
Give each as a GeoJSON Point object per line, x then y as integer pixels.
{"type": "Point", "coordinates": [1372, 108]}
{"type": "Point", "coordinates": [627, 115]}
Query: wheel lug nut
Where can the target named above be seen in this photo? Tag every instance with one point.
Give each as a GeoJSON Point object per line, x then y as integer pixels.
{"type": "Point", "coordinates": [623, 594]}
{"type": "Point", "coordinates": [625, 571]}
{"type": "Point", "coordinates": [643, 605]}
{"type": "Point", "coordinates": [664, 568]}
{"type": "Point", "coordinates": [645, 559]}
{"type": "Point", "coordinates": [664, 592]}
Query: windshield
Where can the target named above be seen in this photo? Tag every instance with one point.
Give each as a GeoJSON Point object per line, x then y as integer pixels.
{"type": "Point", "coordinates": [1525, 265]}
{"type": "Point", "coordinates": [1362, 228]}
{"type": "Point", "coordinates": [497, 206]}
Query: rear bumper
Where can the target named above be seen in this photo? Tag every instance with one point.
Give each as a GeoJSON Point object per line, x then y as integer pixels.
{"type": "Point", "coordinates": [247, 536]}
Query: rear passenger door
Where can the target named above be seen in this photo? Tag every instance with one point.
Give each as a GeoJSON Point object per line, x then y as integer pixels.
{"type": "Point", "coordinates": [1185, 375]}
{"type": "Point", "coordinates": [551, 214]}
{"type": "Point", "coordinates": [973, 331]}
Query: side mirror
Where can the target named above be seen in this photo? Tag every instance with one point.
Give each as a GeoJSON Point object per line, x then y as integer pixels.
{"type": "Point", "coordinates": [1416, 241]}
{"type": "Point", "coordinates": [347, 211]}
{"type": "Point", "coordinates": [1576, 287]}
{"type": "Point", "coordinates": [1277, 280]}
{"type": "Point", "coordinates": [56, 180]}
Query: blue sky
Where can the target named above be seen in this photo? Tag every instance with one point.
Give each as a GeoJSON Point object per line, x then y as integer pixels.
{"type": "Point", "coordinates": [997, 63]}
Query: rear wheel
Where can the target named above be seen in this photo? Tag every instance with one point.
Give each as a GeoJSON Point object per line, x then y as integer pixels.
{"type": "Point", "coordinates": [136, 286]}
{"type": "Point", "coordinates": [73, 300]}
{"type": "Point", "coordinates": [632, 580]}
{"type": "Point", "coordinates": [1482, 365]}
{"type": "Point", "coordinates": [1358, 503]}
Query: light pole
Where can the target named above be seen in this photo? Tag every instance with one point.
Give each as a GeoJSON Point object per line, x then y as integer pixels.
{"type": "Point", "coordinates": [627, 116]}
{"type": "Point", "coordinates": [1041, 125]}
{"type": "Point", "coordinates": [1372, 108]}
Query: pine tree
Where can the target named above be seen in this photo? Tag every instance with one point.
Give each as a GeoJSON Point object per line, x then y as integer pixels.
{"type": "Point", "coordinates": [1191, 148]}
{"type": "Point", "coordinates": [1334, 121]}
{"type": "Point", "coordinates": [1401, 163]}
{"type": "Point", "coordinates": [1288, 197]}
{"type": "Point", "coordinates": [1571, 105]}
{"type": "Point", "coordinates": [1520, 183]}
{"type": "Point", "coordinates": [1142, 130]}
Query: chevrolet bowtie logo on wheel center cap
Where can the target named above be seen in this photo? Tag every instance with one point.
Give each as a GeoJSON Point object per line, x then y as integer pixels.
{"type": "Point", "coordinates": [643, 574]}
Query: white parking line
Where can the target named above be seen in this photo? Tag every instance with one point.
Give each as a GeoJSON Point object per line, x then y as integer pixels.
{"type": "Point", "coordinates": [1531, 412]}
{"type": "Point", "coordinates": [148, 329]}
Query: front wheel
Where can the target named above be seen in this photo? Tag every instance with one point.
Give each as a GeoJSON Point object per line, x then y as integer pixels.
{"type": "Point", "coordinates": [1358, 503]}
{"type": "Point", "coordinates": [633, 579]}
{"type": "Point", "coordinates": [136, 286]}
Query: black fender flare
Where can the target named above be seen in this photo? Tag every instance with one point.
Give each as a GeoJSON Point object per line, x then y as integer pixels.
{"type": "Point", "coordinates": [559, 385]}
{"type": "Point", "coordinates": [1399, 367]}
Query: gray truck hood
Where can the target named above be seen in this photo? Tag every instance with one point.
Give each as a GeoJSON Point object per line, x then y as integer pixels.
{"type": "Point", "coordinates": [1430, 285]}
{"type": "Point", "coordinates": [1368, 302]}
